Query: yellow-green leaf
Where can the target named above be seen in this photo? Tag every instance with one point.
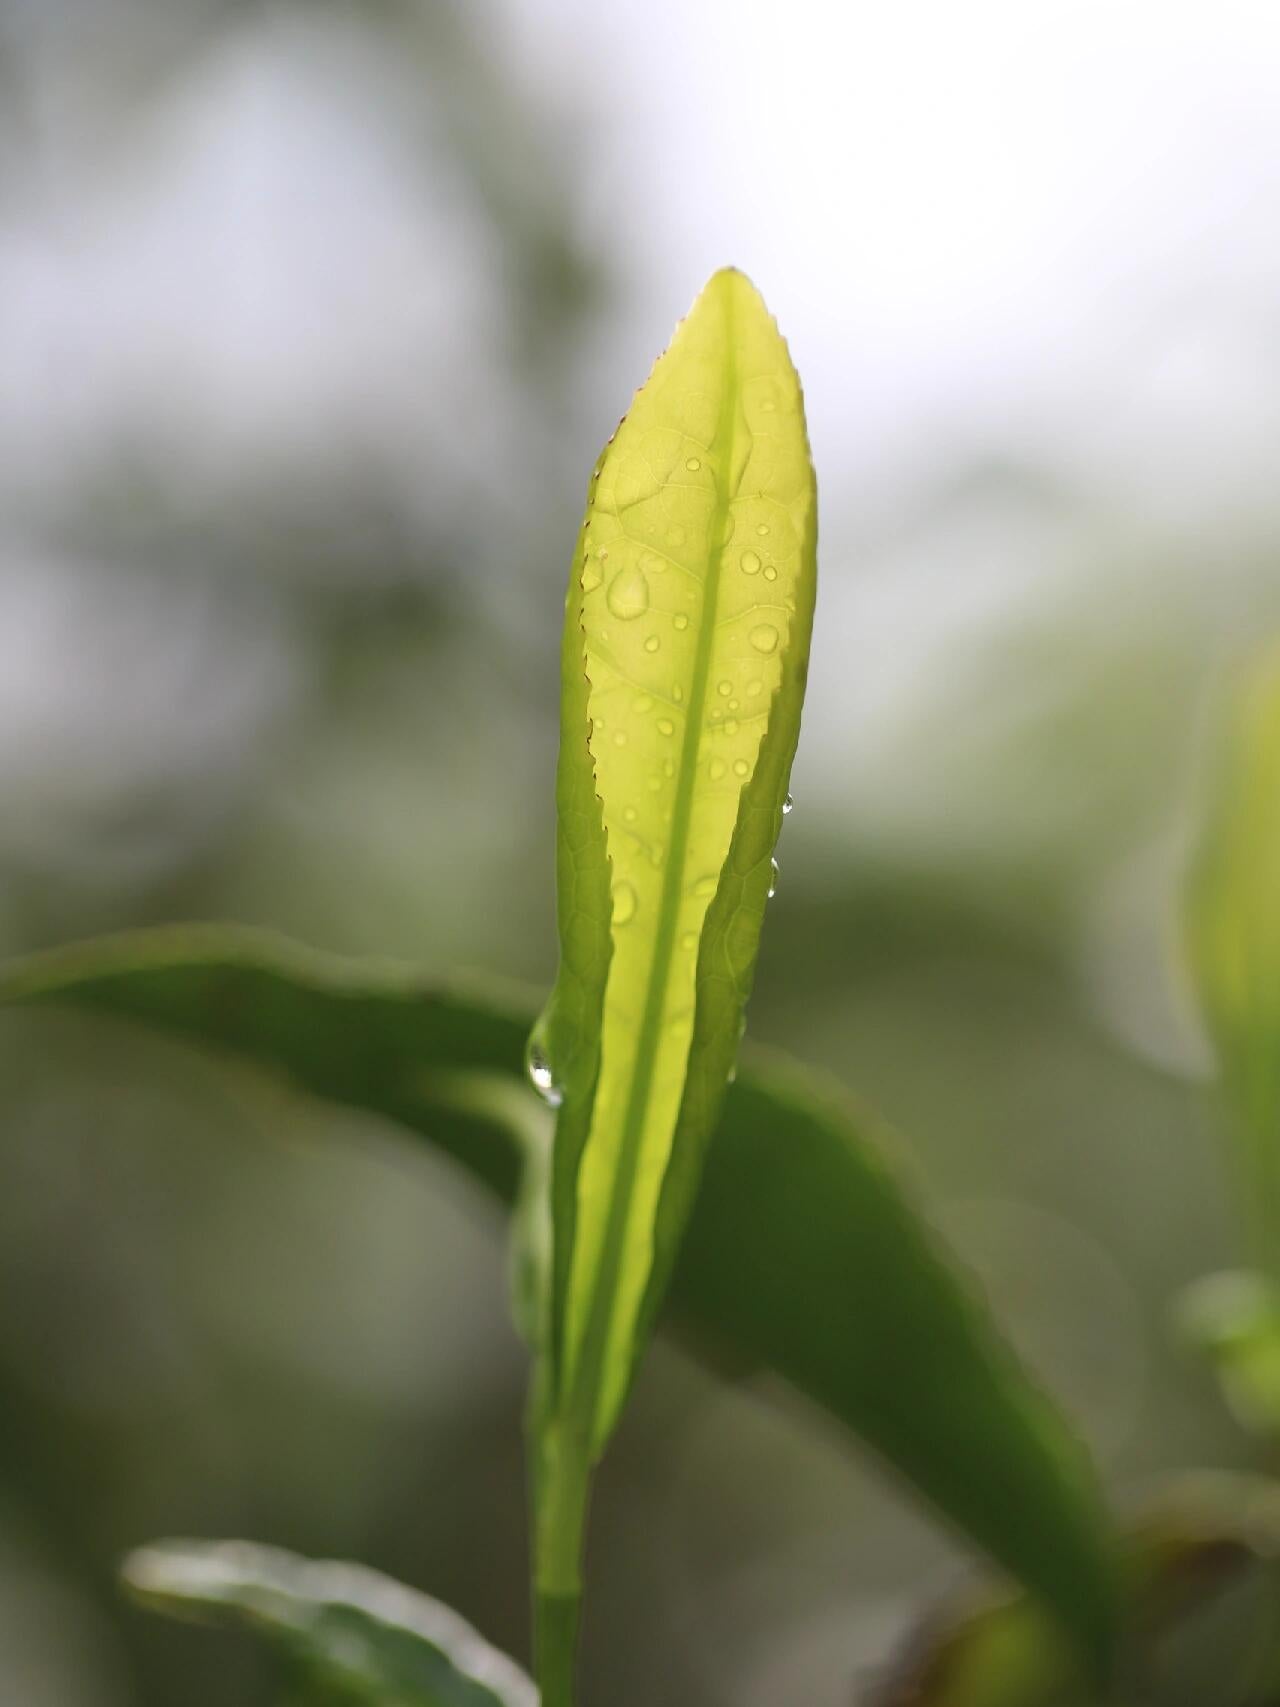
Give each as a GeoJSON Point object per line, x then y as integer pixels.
{"type": "Point", "coordinates": [686, 645]}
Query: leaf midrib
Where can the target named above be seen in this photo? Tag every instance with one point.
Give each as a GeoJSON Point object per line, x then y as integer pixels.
{"type": "Point", "coordinates": [585, 1386]}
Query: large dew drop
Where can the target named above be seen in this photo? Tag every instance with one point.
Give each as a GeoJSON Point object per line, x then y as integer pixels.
{"type": "Point", "coordinates": [541, 1077]}
{"type": "Point", "coordinates": [628, 595]}
{"type": "Point", "coordinates": [765, 638]}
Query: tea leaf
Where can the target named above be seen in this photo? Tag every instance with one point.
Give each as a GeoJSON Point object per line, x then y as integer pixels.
{"type": "Point", "coordinates": [1233, 934]}
{"type": "Point", "coordinates": [685, 653]}
{"type": "Point", "coordinates": [803, 1252]}
{"type": "Point", "coordinates": [355, 1635]}
{"type": "Point", "coordinates": [686, 645]}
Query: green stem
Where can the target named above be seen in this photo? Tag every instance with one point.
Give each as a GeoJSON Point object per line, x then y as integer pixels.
{"type": "Point", "coordinates": [555, 1646]}
{"type": "Point", "coordinates": [562, 1483]}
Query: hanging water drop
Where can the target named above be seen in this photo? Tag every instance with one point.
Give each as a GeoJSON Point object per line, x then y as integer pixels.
{"type": "Point", "coordinates": [773, 879]}
{"type": "Point", "coordinates": [628, 595]}
{"type": "Point", "coordinates": [788, 804]}
{"type": "Point", "coordinates": [540, 1076]}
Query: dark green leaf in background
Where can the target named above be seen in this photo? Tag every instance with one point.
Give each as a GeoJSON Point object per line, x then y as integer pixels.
{"type": "Point", "coordinates": [803, 1252]}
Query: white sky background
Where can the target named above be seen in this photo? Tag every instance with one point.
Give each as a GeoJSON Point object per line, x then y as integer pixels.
{"type": "Point", "coordinates": [1040, 231]}
{"type": "Point", "coordinates": [992, 230]}
{"type": "Point", "coordinates": [957, 211]}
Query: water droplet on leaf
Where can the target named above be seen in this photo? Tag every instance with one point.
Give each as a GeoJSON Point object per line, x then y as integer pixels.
{"type": "Point", "coordinates": [541, 1077]}
{"type": "Point", "coordinates": [765, 637]}
{"type": "Point", "coordinates": [628, 595]}
{"type": "Point", "coordinates": [624, 903]}
{"type": "Point", "coordinates": [716, 769]}
{"type": "Point", "coordinates": [750, 563]}
{"type": "Point", "coordinates": [666, 726]}
{"type": "Point", "coordinates": [652, 643]}
{"type": "Point", "coordinates": [788, 805]}
{"type": "Point", "coordinates": [773, 878]}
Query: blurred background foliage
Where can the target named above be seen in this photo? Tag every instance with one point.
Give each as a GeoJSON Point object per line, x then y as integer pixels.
{"type": "Point", "coordinates": [313, 317]}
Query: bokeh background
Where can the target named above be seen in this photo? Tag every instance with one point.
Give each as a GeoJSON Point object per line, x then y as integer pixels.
{"type": "Point", "coordinates": [313, 317]}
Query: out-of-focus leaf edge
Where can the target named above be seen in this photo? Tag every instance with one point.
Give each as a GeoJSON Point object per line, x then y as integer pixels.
{"type": "Point", "coordinates": [344, 1624]}
{"type": "Point", "coordinates": [803, 1250]}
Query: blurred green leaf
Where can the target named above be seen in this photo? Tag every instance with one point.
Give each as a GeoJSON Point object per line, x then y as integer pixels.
{"type": "Point", "coordinates": [803, 1251]}
{"type": "Point", "coordinates": [351, 1635]}
{"type": "Point", "coordinates": [1201, 1620]}
{"type": "Point", "coordinates": [1233, 935]}
{"type": "Point", "coordinates": [1233, 1321]}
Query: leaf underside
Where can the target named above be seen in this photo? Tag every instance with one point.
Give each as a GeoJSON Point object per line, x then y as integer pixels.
{"type": "Point", "coordinates": [803, 1252]}
{"type": "Point", "coordinates": [685, 650]}
{"type": "Point", "coordinates": [354, 1635]}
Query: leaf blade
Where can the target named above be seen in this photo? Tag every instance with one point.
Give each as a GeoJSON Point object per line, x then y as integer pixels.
{"type": "Point", "coordinates": [691, 601]}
